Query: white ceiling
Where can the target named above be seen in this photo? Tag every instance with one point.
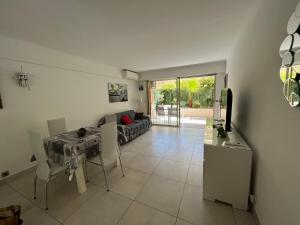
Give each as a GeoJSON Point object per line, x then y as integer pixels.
{"type": "Point", "coordinates": [133, 34]}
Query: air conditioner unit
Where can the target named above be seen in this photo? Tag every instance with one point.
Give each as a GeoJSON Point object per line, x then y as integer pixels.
{"type": "Point", "coordinates": [128, 74]}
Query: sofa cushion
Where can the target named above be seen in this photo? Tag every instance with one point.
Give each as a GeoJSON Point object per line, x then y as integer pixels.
{"type": "Point", "coordinates": [139, 116]}
{"type": "Point", "coordinates": [126, 120]}
{"type": "Point", "coordinates": [130, 113]}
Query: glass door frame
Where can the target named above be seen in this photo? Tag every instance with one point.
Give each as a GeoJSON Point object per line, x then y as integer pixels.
{"type": "Point", "coordinates": [178, 90]}
{"type": "Point", "coordinates": [178, 97]}
{"type": "Point", "coordinates": [169, 111]}
{"type": "Point", "coordinates": [213, 93]}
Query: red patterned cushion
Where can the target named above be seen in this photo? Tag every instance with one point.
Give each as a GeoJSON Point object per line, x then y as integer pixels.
{"type": "Point", "coordinates": [126, 120]}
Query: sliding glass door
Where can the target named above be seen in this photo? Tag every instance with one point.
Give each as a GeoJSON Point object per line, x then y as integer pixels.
{"type": "Point", "coordinates": [196, 100]}
{"type": "Point", "coordinates": [183, 101]}
{"type": "Point", "coordinates": [164, 102]}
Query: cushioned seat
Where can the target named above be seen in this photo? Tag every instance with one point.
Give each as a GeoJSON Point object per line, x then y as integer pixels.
{"type": "Point", "coordinates": [127, 133]}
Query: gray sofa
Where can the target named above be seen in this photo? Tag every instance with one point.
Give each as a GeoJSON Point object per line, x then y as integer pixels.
{"type": "Point", "coordinates": [127, 133]}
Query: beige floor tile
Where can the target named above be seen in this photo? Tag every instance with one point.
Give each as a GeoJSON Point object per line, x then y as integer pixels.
{"type": "Point", "coordinates": [64, 198]}
{"type": "Point", "coordinates": [244, 218]}
{"type": "Point", "coordinates": [93, 170]}
{"type": "Point", "coordinates": [198, 211]}
{"type": "Point", "coordinates": [182, 222]}
{"type": "Point", "coordinates": [179, 156]}
{"type": "Point", "coordinates": [10, 197]}
{"type": "Point", "coordinates": [144, 163]}
{"type": "Point", "coordinates": [114, 174]}
{"type": "Point", "coordinates": [36, 216]}
{"type": "Point", "coordinates": [130, 185]}
{"type": "Point", "coordinates": [24, 185]}
{"type": "Point", "coordinates": [139, 214]}
{"type": "Point", "coordinates": [172, 170]}
{"type": "Point", "coordinates": [126, 147]}
{"type": "Point", "coordinates": [162, 193]}
{"type": "Point", "coordinates": [64, 202]}
{"type": "Point", "coordinates": [126, 157]}
{"type": "Point", "coordinates": [104, 208]}
{"type": "Point", "coordinates": [199, 144]}
{"type": "Point", "coordinates": [155, 151]}
{"type": "Point", "coordinates": [195, 175]}
{"type": "Point", "coordinates": [197, 158]}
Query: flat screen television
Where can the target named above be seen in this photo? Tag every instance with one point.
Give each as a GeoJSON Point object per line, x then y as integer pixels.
{"type": "Point", "coordinates": [226, 107]}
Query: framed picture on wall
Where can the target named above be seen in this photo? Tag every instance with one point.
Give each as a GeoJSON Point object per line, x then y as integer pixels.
{"type": "Point", "coordinates": [117, 92]}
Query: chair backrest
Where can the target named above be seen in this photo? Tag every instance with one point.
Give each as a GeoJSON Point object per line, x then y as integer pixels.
{"type": "Point", "coordinates": [110, 118]}
{"type": "Point", "coordinates": [38, 150]}
{"type": "Point", "coordinates": [57, 126]}
{"type": "Point", "coordinates": [109, 142]}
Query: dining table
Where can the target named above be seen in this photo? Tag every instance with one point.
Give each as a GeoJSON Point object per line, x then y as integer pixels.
{"type": "Point", "coordinates": [68, 150]}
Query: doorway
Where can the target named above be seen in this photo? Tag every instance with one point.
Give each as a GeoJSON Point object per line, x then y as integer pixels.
{"type": "Point", "coordinates": [164, 102]}
{"type": "Point", "coordinates": [197, 98]}
{"type": "Point", "coordinates": [183, 101]}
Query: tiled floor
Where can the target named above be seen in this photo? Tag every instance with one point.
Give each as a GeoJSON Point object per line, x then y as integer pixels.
{"type": "Point", "coordinates": [162, 186]}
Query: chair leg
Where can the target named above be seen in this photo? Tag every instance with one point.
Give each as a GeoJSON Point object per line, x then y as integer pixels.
{"type": "Point", "coordinates": [104, 172]}
{"type": "Point", "coordinates": [86, 171]}
{"type": "Point", "coordinates": [121, 164]}
{"type": "Point", "coordinates": [119, 149]}
{"type": "Point", "coordinates": [34, 186]}
{"type": "Point", "coordinates": [46, 195]}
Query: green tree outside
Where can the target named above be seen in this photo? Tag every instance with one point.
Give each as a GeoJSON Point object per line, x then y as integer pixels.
{"type": "Point", "coordinates": [195, 92]}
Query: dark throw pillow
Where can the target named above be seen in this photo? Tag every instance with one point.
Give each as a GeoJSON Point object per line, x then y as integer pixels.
{"type": "Point", "coordinates": [139, 116]}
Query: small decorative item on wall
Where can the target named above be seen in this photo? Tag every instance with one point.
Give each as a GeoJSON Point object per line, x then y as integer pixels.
{"type": "Point", "coordinates": [117, 92]}
{"type": "Point", "coordinates": [23, 79]}
{"type": "Point", "coordinates": [290, 53]}
{"type": "Point", "coordinates": [141, 87]}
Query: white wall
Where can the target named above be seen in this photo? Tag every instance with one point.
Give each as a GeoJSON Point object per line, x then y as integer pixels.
{"type": "Point", "coordinates": [185, 71]}
{"type": "Point", "coordinates": [264, 117]}
{"type": "Point", "coordinates": [63, 86]}
{"type": "Point", "coordinates": [143, 98]}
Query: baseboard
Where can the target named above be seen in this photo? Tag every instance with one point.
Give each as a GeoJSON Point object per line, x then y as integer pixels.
{"type": "Point", "coordinates": [18, 174]}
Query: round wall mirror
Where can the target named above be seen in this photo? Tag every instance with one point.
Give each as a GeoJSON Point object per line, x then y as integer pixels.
{"type": "Point", "coordinates": [296, 63]}
{"type": "Point", "coordinates": [297, 12]}
{"type": "Point", "coordinates": [286, 73]}
{"type": "Point", "coordinates": [287, 59]}
{"type": "Point", "coordinates": [294, 99]}
{"type": "Point", "coordinates": [296, 42]}
{"type": "Point", "coordinates": [286, 45]}
{"type": "Point", "coordinates": [289, 51]}
{"type": "Point", "coordinates": [290, 86]}
{"type": "Point", "coordinates": [293, 24]}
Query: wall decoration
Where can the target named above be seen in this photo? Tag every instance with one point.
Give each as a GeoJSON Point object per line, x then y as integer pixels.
{"type": "Point", "coordinates": [141, 87]}
{"type": "Point", "coordinates": [23, 79]}
{"type": "Point", "coordinates": [117, 92]}
{"type": "Point", "coordinates": [290, 53]}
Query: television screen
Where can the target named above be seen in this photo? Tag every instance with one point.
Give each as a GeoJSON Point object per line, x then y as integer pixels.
{"type": "Point", "coordinates": [226, 107]}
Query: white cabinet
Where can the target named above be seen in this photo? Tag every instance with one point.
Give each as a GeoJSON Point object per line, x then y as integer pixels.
{"type": "Point", "coordinates": [227, 169]}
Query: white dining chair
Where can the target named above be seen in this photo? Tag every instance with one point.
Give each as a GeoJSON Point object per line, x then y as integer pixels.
{"type": "Point", "coordinates": [45, 170]}
{"type": "Point", "coordinates": [57, 126]}
{"type": "Point", "coordinates": [109, 150]}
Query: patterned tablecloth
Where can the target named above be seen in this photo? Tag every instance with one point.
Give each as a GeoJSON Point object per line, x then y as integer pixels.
{"type": "Point", "coordinates": [67, 149]}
